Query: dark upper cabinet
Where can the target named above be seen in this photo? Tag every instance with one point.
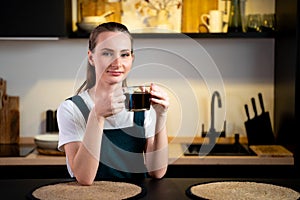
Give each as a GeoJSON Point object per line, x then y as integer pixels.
{"type": "Point", "coordinates": [287, 75]}
{"type": "Point", "coordinates": [287, 71]}
{"type": "Point", "coordinates": [35, 18]}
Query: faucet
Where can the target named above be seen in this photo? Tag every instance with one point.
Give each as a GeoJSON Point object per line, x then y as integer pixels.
{"type": "Point", "coordinates": [212, 110]}
{"type": "Point", "coordinates": [212, 133]}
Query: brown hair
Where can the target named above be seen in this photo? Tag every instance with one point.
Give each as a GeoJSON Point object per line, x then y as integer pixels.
{"type": "Point", "coordinates": [105, 27]}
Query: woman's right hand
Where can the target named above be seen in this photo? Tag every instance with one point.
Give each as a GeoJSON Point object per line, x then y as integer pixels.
{"type": "Point", "coordinates": [109, 101]}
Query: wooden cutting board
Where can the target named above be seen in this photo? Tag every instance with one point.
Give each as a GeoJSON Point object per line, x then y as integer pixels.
{"type": "Point", "coordinates": [2, 91]}
{"type": "Point", "coordinates": [9, 116]}
{"type": "Point", "coordinates": [271, 151]}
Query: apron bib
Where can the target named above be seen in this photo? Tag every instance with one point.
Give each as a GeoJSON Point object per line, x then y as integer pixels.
{"type": "Point", "coordinates": [121, 149]}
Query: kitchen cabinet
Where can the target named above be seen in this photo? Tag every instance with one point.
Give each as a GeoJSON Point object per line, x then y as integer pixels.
{"type": "Point", "coordinates": [190, 18]}
{"type": "Point", "coordinates": [53, 18]}
{"type": "Point", "coordinates": [287, 77]}
{"type": "Point", "coordinates": [35, 18]}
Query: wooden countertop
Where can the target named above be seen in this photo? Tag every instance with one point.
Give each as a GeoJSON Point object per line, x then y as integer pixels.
{"type": "Point", "coordinates": [33, 158]}
{"type": "Point", "coordinates": [176, 156]}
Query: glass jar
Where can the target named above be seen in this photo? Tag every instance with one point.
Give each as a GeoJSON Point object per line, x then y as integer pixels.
{"type": "Point", "coordinates": [235, 17]}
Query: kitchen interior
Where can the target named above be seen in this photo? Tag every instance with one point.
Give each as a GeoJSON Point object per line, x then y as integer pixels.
{"type": "Point", "coordinates": [236, 89]}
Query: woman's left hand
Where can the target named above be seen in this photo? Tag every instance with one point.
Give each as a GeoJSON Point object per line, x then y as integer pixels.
{"type": "Point", "coordinates": [159, 99]}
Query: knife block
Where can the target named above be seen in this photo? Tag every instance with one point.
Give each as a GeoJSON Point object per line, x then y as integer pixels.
{"type": "Point", "coordinates": [259, 130]}
{"type": "Point", "coordinates": [9, 117]}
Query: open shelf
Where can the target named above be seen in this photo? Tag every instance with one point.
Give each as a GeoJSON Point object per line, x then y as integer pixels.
{"type": "Point", "coordinates": [191, 35]}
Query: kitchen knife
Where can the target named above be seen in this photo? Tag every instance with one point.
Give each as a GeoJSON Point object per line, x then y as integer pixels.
{"type": "Point", "coordinates": [254, 106]}
{"type": "Point", "coordinates": [247, 111]}
{"type": "Point", "coordinates": [261, 102]}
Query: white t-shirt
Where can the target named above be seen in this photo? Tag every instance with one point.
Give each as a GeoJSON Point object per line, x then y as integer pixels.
{"type": "Point", "coordinates": [72, 125]}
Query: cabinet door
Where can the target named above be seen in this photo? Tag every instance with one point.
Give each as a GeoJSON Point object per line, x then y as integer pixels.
{"type": "Point", "coordinates": [35, 18]}
{"type": "Point", "coordinates": [287, 71]}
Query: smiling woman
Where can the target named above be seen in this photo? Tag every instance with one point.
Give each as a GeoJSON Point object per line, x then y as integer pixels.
{"type": "Point", "coordinates": [96, 129]}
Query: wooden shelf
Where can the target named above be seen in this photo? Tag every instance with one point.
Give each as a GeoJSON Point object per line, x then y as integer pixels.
{"type": "Point", "coordinates": [189, 35]}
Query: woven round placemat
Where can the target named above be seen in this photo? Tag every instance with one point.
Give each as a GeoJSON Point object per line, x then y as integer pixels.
{"type": "Point", "coordinates": [71, 190]}
{"type": "Point", "coordinates": [245, 190]}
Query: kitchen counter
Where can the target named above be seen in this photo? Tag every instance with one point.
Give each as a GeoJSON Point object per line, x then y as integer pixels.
{"type": "Point", "coordinates": [176, 156]}
{"type": "Point", "coordinates": [167, 188]}
{"type": "Point", "coordinates": [34, 158]}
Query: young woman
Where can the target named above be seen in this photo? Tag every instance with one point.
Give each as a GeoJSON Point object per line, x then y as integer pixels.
{"type": "Point", "coordinates": [100, 138]}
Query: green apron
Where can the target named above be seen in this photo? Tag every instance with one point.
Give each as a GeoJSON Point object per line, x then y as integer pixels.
{"type": "Point", "coordinates": [121, 149]}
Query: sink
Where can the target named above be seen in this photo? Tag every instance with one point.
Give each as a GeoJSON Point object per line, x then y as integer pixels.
{"type": "Point", "coordinates": [198, 149]}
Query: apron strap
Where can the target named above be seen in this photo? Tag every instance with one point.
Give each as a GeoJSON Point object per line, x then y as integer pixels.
{"type": "Point", "coordinates": [81, 105]}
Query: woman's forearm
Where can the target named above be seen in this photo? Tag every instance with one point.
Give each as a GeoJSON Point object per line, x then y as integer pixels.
{"type": "Point", "coordinates": [86, 161]}
{"type": "Point", "coordinates": [157, 154]}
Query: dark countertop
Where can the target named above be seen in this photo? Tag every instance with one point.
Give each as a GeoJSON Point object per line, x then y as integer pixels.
{"type": "Point", "coordinates": [167, 188]}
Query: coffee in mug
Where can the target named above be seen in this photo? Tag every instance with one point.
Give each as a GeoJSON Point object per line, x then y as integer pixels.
{"type": "Point", "coordinates": [137, 98]}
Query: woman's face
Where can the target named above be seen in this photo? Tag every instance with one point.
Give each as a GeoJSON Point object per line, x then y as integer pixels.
{"type": "Point", "coordinates": [112, 57]}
